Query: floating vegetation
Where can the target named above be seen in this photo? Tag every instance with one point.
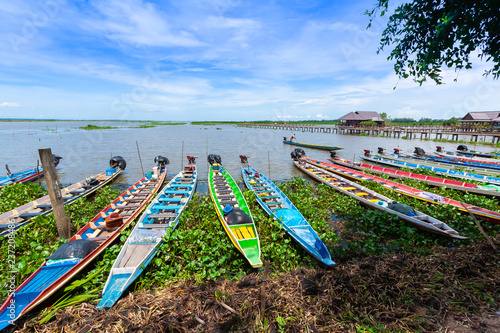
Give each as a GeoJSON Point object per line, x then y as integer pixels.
{"type": "Point", "coordinates": [389, 276]}
{"type": "Point", "coordinates": [90, 127]}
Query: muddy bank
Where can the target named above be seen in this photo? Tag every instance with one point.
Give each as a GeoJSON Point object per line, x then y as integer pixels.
{"type": "Point", "coordinates": [453, 290]}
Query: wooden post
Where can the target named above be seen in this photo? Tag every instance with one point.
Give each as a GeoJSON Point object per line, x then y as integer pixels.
{"type": "Point", "coordinates": [53, 187]}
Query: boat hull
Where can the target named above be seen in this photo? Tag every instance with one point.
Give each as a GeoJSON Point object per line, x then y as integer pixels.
{"type": "Point", "coordinates": [359, 192]}
{"type": "Point", "coordinates": [284, 211]}
{"type": "Point", "coordinates": [145, 240]}
{"type": "Point", "coordinates": [50, 277]}
{"type": "Point", "coordinates": [309, 145]}
{"type": "Point", "coordinates": [224, 191]}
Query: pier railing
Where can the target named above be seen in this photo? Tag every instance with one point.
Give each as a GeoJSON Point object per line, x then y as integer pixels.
{"type": "Point", "coordinates": [453, 133]}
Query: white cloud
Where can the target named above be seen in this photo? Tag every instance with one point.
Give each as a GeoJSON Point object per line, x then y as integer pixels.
{"type": "Point", "coordinates": [9, 104]}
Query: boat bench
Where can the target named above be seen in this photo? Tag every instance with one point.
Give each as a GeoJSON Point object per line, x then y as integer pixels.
{"type": "Point", "coordinates": [44, 206]}
{"type": "Point", "coordinates": [271, 197]}
{"type": "Point", "coordinates": [176, 192]}
{"type": "Point", "coordinates": [170, 199]}
{"type": "Point", "coordinates": [225, 196]}
{"type": "Point", "coordinates": [125, 206]}
{"type": "Point", "coordinates": [30, 214]}
{"type": "Point", "coordinates": [77, 192]}
{"type": "Point", "coordinates": [162, 216]}
{"type": "Point", "coordinates": [228, 202]}
{"type": "Point", "coordinates": [272, 203]}
{"type": "Point", "coordinates": [166, 207]}
{"type": "Point", "coordinates": [264, 191]}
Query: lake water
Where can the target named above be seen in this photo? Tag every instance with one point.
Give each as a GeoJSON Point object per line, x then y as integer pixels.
{"type": "Point", "coordinates": [88, 152]}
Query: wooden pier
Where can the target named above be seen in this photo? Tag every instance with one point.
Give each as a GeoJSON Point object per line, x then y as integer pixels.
{"type": "Point", "coordinates": [452, 133]}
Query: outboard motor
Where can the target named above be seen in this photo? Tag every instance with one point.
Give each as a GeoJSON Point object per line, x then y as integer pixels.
{"type": "Point", "coordinates": [333, 154]}
{"type": "Point", "coordinates": [56, 159]}
{"type": "Point", "coordinates": [285, 139]}
{"type": "Point", "coordinates": [419, 151]}
{"type": "Point", "coordinates": [396, 151]}
{"type": "Point", "coordinates": [462, 148]}
{"type": "Point", "coordinates": [244, 159]}
{"type": "Point", "coordinates": [212, 159]}
{"type": "Point", "coordinates": [297, 153]}
{"type": "Point", "coordinates": [367, 152]}
{"type": "Point", "coordinates": [439, 149]}
{"type": "Point", "coordinates": [191, 159]}
{"type": "Point", "coordinates": [380, 150]}
{"type": "Point", "coordinates": [161, 160]}
{"type": "Point", "coordinates": [117, 162]}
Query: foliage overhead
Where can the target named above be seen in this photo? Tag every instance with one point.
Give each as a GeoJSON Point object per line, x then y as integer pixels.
{"type": "Point", "coordinates": [429, 34]}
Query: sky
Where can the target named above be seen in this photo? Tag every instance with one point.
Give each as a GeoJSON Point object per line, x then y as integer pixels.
{"type": "Point", "coordinates": [213, 60]}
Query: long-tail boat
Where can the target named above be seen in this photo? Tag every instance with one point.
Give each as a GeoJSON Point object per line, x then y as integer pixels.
{"type": "Point", "coordinates": [488, 190]}
{"type": "Point", "coordinates": [277, 205]}
{"type": "Point", "coordinates": [465, 157]}
{"type": "Point", "coordinates": [162, 214]}
{"type": "Point", "coordinates": [422, 160]}
{"type": "Point", "coordinates": [375, 200]}
{"type": "Point", "coordinates": [356, 175]}
{"type": "Point", "coordinates": [444, 171]}
{"type": "Point", "coordinates": [310, 145]}
{"type": "Point", "coordinates": [25, 176]}
{"type": "Point", "coordinates": [463, 150]}
{"type": "Point", "coordinates": [233, 211]}
{"type": "Point", "coordinates": [81, 249]}
{"type": "Point", "coordinates": [25, 214]}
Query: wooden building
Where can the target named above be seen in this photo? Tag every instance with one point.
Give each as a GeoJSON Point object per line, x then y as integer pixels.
{"type": "Point", "coordinates": [355, 118]}
{"type": "Point", "coordinates": [486, 117]}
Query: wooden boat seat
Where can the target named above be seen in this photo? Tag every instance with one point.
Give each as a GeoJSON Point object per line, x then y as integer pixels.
{"type": "Point", "coordinates": [224, 191]}
{"type": "Point", "coordinates": [133, 199]}
{"type": "Point", "coordinates": [176, 192]}
{"type": "Point", "coordinates": [167, 200]}
{"type": "Point", "coordinates": [25, 215]}
{"type": "Point", "coordinates": [165, 207]}
{"type": "Point", "coordinates": [220, 182]}
{"type": "Point", "coordinates": [185, 179]}
{"type": "Point", "coordinates": [124, 206]}
{"type": "Point", "coordinates": [77, 192]}
{"type": "Point", "coordinates": [424, 217]}
{"type": "Point", "coordinates": [272, 202]}
{"type": "Point", "coordinates": [67, 198]}
{"type": "Point", "coordinates": [374, 200]}
{"type": "Point", "coordinates": [156, 225]}
{"type": "Point", "coordinates": [162, 216]}
{"type": "Point", "coordinates": [360, 194]}
{"type": "Point", "coordinates": [97, 239]}
{"type": "Point", "coordinates": [228, 202]}
{"type": "Point", "coordinates": [264, 191]}
{"type": "Point", "coordinates": [44, 206]}
{"type": "Point", "coordinates": [270, 197]}
{"type": "Point", "coordinates": [87, 187]}
{"type": "Point", "coordinates": [225, 196]}
{"type": "Point", "coordinates": [348, 188]}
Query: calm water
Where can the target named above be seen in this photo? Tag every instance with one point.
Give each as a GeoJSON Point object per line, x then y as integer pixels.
{"type": "Point", "coordinates": [88, 152]}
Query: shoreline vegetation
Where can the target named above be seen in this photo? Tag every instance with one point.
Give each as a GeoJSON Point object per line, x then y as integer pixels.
{"type": "Point", "coordinates": [389, 276]}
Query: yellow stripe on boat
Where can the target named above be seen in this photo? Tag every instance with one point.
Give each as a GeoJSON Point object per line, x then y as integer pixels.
{"type": "Point", "coordinates": [348, 188]}
{"type": "Point", "coordinates": [359, 194]}
{"type": "Point", "coordinates": [250, 231]}
{"type": "Point", "coordinates": [373, 200]}
{"type": "Point", "coordinates": [245, 232]}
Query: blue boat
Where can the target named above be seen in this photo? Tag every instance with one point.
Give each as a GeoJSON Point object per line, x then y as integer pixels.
{"type": "Point", "coordinates": [25, 176]}
{"type": "Point", "coordinates": [147, 237]}
{"type": "Point", "coordinates": [443, 171]}
{"type": "Point", "coordinates": [23, 215]}
{"type": "Point", "coordinates": [277, 205]}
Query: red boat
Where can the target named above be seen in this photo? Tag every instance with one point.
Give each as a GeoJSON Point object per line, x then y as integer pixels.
{"type": "Point", "coordinates": [488, 215]}
{"type": "Point", "coordinates": [489, 190]}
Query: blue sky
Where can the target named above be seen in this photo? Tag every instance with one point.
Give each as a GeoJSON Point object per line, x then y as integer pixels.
{"type": "Point", "coordinates": [212, 60]}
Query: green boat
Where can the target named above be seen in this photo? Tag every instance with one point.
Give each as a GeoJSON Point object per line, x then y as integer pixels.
{"type": "Point", "coordinates": [233, 211]}
{"type": "Point", "coordinates": [309, 145]}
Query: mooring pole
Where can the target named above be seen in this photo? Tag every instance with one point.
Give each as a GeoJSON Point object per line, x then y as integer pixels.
{"type": "Point", "coordinates": [140, 160]}
{"type": "Point", "coordinates": [53, 187]}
